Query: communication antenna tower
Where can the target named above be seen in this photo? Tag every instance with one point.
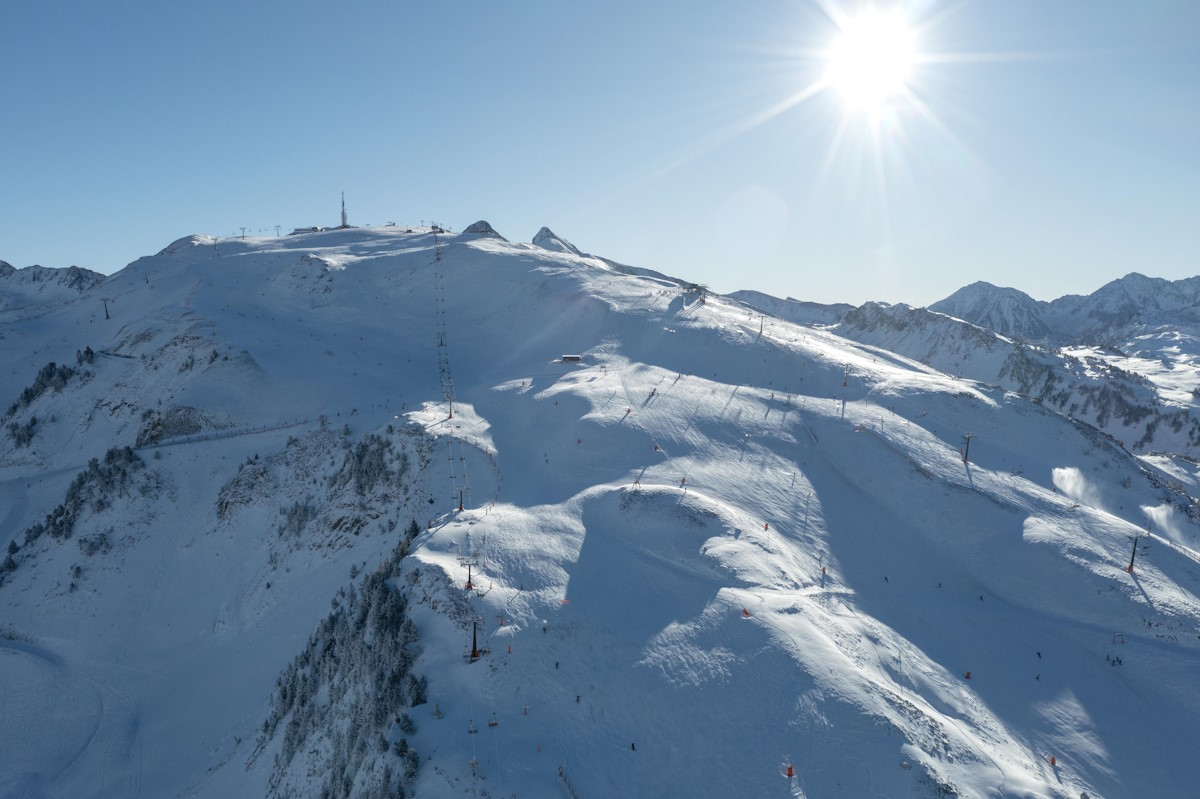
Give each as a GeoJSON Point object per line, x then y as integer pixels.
{"type": "Point", "coordinates": [345, 224]}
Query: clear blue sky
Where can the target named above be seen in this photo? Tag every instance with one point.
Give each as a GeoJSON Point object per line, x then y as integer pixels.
{"type": "Point", "coordinates": [1058, 148]}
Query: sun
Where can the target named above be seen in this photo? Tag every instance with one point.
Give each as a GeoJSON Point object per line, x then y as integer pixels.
{"type": "Point", "coordinates": [872, 59]}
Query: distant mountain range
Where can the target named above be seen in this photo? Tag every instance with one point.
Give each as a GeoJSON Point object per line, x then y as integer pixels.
{"type": "Point", "coordinates": [1105, 317]}
{"type": "Point", "coordinates": [36, 286]}
{"type": "Point", "coordinates": [1124, 358]}
{"type": "Point", "coordinates": [1098, 318]}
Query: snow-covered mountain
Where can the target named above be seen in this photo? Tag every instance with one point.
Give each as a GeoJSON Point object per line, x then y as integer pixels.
{"type": "Point", "coordinates": [1105, 317]}
{"type": "Point", "coordinates": [1134, 301]}
{"type": "Point", "coordinates": [1125, 357]}
{"type": "Point", "coordinates": [1007, 311]}
{"type": "Point", "coordinates": [548, 240]}
{"type": "Point", "coordinates": [793, 310]}
{"type": "Point", "coordinates": [36, 287]}
{"type": "Point", "coordinates": [1139, 403]}
{"type": "Point", "coordinates": [333, 514]}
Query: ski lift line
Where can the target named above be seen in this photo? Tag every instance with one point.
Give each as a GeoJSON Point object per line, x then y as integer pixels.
{"type": "Point", "coordinates": [496, 741]}
{"type": "Point", "coordinates": [940, 421]}
{"type": "Point", "coordinates": [472, 730]}
{"type": "Point", "coordinates": [466, 482]}
{"type": "Point", "coordinates": [460, 492]}
{"type": "Point", "coordinates": [924, 445]}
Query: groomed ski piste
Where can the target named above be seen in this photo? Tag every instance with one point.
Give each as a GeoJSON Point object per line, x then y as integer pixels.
{"type": "Point", "coordinates": [719, 555]}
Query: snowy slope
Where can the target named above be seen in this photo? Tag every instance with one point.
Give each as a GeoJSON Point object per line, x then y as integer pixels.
{"type": "Point", "coordinates": [1144, 404]}
{"type": "Point", "coordinates": [25, 291]}
{"type": "Point", "coordinates": [792, 310]}
{"type": "Point", "coordinates": [1145, 326]}
{"type": "Point", "coordinates": [737, 544]}
{"type": "Point", "coordinates": [943, 342]}
{"type": "Point", "coordinates": [547, 239]}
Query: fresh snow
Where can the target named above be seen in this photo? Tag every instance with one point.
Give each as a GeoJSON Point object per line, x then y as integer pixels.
{"type": "Point", "coordinates": [25, 292]}
{"type": "Point", "coordinates": [734, 541]}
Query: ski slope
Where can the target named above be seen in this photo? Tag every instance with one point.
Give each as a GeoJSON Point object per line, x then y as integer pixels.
{"type": "Point", "coordinates": [721, 545]}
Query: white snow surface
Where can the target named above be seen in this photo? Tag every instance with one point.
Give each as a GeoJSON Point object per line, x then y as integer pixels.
{"type": "Point", "coordinates": [734, 542]}
{"type": "Point", "coordinates": [547, 239]}
{"type": "Point", "coordinates": [24, 292]}
{"type": "Point", "coordinates": [1140, 394]}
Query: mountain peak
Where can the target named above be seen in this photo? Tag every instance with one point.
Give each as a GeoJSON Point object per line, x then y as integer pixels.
{"type": "Point", "coordinates": [548, 240]}
{"type": "Point", "coordinates": [37, 285]}
{"type": "Point", "coordinates": [483, 228]}
{"type": "Point", "coordinates": [1007, 311]}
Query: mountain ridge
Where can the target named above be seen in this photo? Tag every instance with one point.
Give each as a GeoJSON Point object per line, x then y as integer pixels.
{"type": "Point", "coordinates": [41, 286]}
{"type": "Point", "coordinates": [721, 537]}
{"type": "Point", "coordinates": [1127, 301]}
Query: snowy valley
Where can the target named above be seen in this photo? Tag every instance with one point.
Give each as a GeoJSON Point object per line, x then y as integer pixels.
{"type": "Point", "coordinates": [335, 514]}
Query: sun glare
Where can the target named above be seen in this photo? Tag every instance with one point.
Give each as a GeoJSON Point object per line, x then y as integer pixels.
{"type": "Point", "coordinates": [871, 59]}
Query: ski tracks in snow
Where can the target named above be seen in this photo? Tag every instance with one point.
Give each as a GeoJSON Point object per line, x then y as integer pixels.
{"type": "Point", "coordinates": [67, 715]}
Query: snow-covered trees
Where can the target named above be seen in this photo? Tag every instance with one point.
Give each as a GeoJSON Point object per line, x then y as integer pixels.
{"type": "Point", "coordinates": [297, 517]}
{"type": "Point", "coordinates": [22, 434]}
{"type": "Point", "coordinates": [52, 376]}
{"type": "Point", "coordinates": [368, 464]}
{"type": "Point", "coordinates": [94, 488]}
{"type": "Point", "coordinates": [346, 693]}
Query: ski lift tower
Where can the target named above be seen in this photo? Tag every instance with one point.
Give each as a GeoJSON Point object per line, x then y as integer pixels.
{"type": "Point", "coordinates": [476, 651]}
{"type": "Point", "coordinates": [470, 561]}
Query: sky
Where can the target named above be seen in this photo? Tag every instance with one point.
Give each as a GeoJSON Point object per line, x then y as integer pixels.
{"type": "Point", "coordinates": [1051, 147]}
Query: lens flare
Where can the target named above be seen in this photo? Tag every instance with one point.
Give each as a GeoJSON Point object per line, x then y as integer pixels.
{"type": "Point", "coordinates": [872, 59]}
